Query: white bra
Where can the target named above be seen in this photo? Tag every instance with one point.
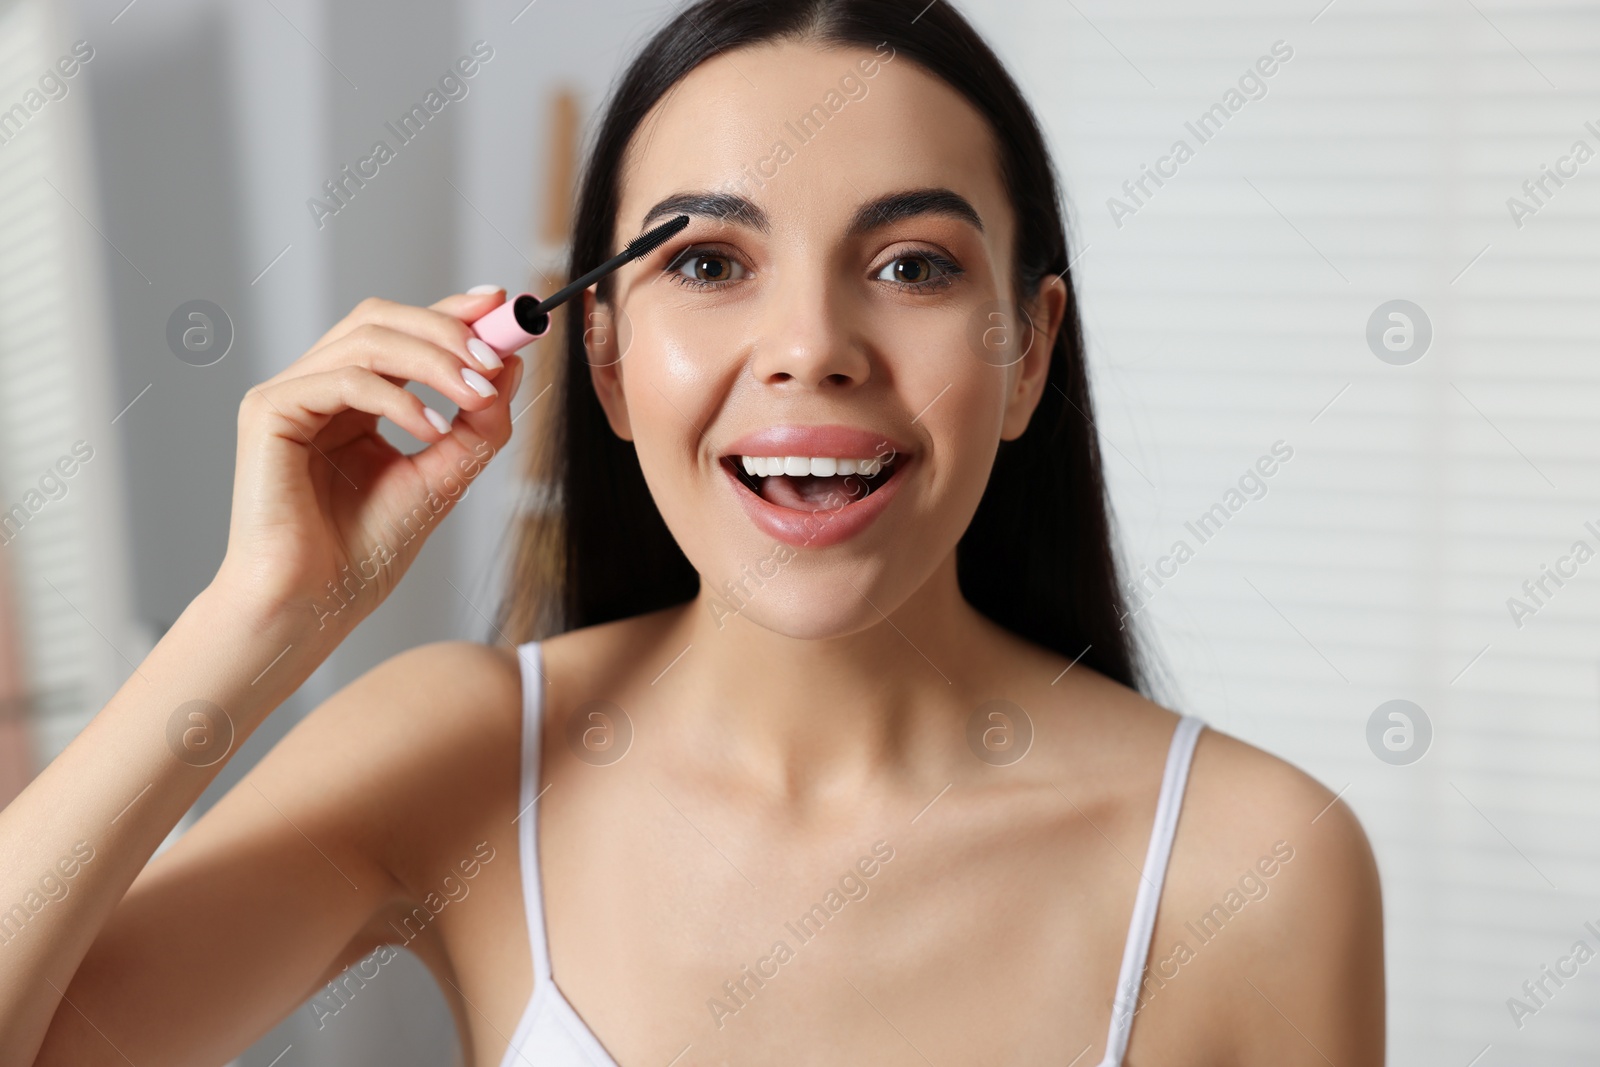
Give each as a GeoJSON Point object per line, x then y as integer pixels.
{"type": "Point", "coordinates": [552, 1034]}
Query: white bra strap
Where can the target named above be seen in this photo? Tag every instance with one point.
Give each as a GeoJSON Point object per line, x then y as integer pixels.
{"type": "Point", "coordinates": [1142, 925]}
{"type": "Point", "coordinates": [528, 656]}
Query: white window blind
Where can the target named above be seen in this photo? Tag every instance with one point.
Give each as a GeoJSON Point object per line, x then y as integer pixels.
{"type": "Point", "coordinates": [66, 619]}
{"type": "Point", "coordinates": [1229, 311]}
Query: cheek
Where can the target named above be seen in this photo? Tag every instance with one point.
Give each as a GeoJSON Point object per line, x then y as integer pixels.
{"type": "Point", "coordinates": [670, 393]}
{"type": "Point", "coordinates": [956, 394]}
{"type": "Point", "coordinates": [964, 425]}
{"type": "Point", "coordinates": [665, 401]}
{"type": "Point", "coordinates": [681, 358]}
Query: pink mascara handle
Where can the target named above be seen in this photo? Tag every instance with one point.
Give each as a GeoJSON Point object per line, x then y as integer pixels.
{"type": "Point", "coordinates": [512, 324]}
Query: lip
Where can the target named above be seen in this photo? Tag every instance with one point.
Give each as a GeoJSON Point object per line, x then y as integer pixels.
{"type": "Point", "coordinates": [828, 525]}
{"type": "Point", "coordinates": [844, 442]}
{"type": "Point", "coordinates": [820, 528]}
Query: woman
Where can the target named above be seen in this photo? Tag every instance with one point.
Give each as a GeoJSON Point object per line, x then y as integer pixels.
{"type": "Point", "coordinates": [777, 762]}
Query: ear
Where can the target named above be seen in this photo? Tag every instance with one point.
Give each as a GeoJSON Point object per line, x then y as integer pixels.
{"type": "Point", "coordinates": [1041, 320]}
{"type": "Point", "coordinates": [604, 351]}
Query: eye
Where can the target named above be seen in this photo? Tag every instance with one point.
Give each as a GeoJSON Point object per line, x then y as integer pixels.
{"type": "Point", "coordinates": [704, 268]}
{"type": "Point", "coordinates": [920, 270]}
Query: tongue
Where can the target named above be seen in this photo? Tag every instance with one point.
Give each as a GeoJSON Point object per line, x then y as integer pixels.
{"type": "Point", "coordinates": [810, 492]}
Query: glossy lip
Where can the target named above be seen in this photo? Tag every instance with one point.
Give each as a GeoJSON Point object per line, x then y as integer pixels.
{"type": "Point", "coordinates": [840, 442]}
{"type": "Point", "coordinates": [828, 525]}
{"type": "Point", "coordinates": [825, 526]}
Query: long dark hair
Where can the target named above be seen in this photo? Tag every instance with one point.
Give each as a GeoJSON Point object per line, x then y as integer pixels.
{"type": "Point", "coordinates": [1038, 557]}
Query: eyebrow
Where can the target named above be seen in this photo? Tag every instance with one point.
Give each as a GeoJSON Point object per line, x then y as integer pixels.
{"type": "Point", "coordinates": [884, 211]}
{"type": "Point", "coordinates": [904, 205]}
{"type": "Point", "coordinates": [724, 206]}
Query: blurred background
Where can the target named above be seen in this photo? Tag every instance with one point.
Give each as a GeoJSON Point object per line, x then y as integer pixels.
{"type": "Point", "coordinates": [1375, 266]}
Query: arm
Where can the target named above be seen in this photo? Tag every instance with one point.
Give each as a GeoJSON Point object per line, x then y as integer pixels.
{"type": "Point", "coordinates": [1270, 938]}
{"type": "Point", "coordinates": [315, 488]}
{"type": "Point", "coordinates": [1317, 964]}
{"type": "Point", "coordinates": [1298, 973]}
{"type": "Point", "coordinates": [285, 881]}
{"type": "Point", "coordinates": [115, 792]}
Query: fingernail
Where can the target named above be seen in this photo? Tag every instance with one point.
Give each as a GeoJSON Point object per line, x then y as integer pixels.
{"type": "Point", "coordinates": [480, 290]}
{"type": "Point", "coordinates": [479, 383]}
{"type": "Point", "coordinates": [484, 354]}
{"type": "Point", "coordinates": [436, 420]}
{"type": "Point", "coordinates": [516, 379]}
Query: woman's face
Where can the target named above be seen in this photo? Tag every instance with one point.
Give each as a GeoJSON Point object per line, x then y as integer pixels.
{"type": "Point", "coordinates": [840, 294]}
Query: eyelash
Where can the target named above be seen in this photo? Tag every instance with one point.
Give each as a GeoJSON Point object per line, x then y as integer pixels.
{"type": "Point", "coordinates": [948, 269]}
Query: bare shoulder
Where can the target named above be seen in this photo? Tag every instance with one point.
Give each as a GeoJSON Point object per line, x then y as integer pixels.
{"type": "Point", "coordinates": [1268, 942]}
{"type": "Point", "coordinates": [411, 752]}
{"type": "Point", "coordinates": [1271, 917]}
{"type": "Point", "coordinates": [356, 813]}
{"type": "Point", "coordinates": [1241, 799]}
{"type": "Point", "coordinates": [1238, 794]}
{"type": "Point", "coordinates": [437, 691]}
{"type": "Point", "coordinates": [1239, 802]}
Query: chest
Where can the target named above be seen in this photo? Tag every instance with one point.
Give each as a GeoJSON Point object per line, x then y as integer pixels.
{"type": "Point", "coordinates": [675, 922]}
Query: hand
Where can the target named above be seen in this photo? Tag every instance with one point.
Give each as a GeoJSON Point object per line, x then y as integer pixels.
{"type": "Point", "coordinates": [327, 515]}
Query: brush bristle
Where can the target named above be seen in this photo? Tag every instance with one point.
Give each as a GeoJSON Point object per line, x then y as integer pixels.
{"type": "Point", "coordinates": [649, 241]}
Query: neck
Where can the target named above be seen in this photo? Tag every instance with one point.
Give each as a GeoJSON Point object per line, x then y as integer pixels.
{"type": "Point", "coordinates": [815, 715]}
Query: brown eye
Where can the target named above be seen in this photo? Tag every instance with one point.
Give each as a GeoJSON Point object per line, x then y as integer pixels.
{"type": "Point", "coordinates": [706, 268]}
{"type": "Point", "coordinates": [912, 269]}
{"type": "Point", "coordinates": [919, 271]}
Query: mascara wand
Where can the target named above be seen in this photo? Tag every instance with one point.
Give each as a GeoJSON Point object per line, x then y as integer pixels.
{"type": "Point", "coordinates": [525, 317]}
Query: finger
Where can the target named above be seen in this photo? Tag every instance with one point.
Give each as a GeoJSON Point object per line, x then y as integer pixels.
{"type": "Point", "coordinates": [301, 407]}
{"type": "Point", "coordinates": [475, 437]}
{"type": "Point", "coordinates": [402, 357]}
{"type": "Point", "coordinates": [468, 306]}
{"type": "Point", "coordinates": [450, 332]}
{"type": "Point", "coordinates": [496, 422]}
{"type": "Point", "coordinates": [445, 324]}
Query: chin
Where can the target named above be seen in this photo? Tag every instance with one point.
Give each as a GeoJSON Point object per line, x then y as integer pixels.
{"type": "Point", "coordinates": [803, 594]}
{"type": "Point", "coordinates": [803, 611]}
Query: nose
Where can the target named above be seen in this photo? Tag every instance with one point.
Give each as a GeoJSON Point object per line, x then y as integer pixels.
{"type": "Point", "coordinates": [808, 337]}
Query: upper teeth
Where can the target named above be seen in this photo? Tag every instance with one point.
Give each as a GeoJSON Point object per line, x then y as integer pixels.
{"type": "Point", "coordinates": [798, 466]}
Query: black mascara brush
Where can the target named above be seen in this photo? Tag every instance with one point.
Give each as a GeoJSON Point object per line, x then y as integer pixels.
{"type": "Point", "coordinates": [525, 317]}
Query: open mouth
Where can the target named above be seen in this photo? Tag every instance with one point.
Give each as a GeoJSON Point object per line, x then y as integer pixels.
{"type": "Point", "coordinates": [812, 483]}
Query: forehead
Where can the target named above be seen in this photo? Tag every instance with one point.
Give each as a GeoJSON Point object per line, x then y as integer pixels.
{"type": "Point", "coordinates": [809, 132]}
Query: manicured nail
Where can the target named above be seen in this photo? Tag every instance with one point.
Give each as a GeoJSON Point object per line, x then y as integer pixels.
{"type": "Point", "coordinates": [479, 383]}
{"type": "Point", "coordinates": [480, 290]}
{"type": "Point", "coordinates": [484, 354]}
{"type": "Point", "coordinates": [436, 420]}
